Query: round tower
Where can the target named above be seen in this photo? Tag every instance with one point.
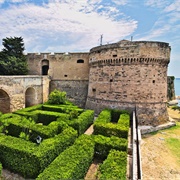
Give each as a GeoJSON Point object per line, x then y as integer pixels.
{"type": "Point", "coordinates": [129, 75]}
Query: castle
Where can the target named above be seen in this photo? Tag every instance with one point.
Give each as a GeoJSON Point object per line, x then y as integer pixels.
{"type": "Point", "coordinates": [126, 75]}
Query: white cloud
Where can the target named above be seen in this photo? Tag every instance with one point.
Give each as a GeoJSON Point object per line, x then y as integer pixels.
{"type": "Point", "coordinates": [120, 2]}
{"type": "Point", "coordinates": [69, 24]}
{"type": "Point", "coordinates": [2, 1]}
{"type": "Point", "coordinates": [157, 3]}
{"type": "Point", "coordinates": [175, 6]}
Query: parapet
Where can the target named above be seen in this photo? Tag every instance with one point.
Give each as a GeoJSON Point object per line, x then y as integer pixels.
{"type": "Point", "coordinates": [131, 52]}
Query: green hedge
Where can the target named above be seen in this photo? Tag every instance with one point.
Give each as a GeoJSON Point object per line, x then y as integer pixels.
{"type": "Point", "coordinates": [110, 129]}
{"type": "Point", "coordinates": [115, 166]}
{"type": "Point", "coordinates": [84, 120]}
{"type": "Point", "coordinates": [73, 163]}
{"type": "Point", "coordinates": [104, 117]}
{"type": "Point", "coordinates": [29, 115]}
{"type": "Point", "coordinates": [29, 159]}
{"type": "Point", "coordinates": [104, 144]}
{"type": "Point", "coordinates": [47, 117]}
{"type": "Point", "coordinates": [14, 126]}
{"type": "Point", "coordinates": [0, 169]}
{"type": "Point", "coordinates": [124, 120]}
{"type": "Point", "coordinates": [103, 125]}
{"type": "Point", "coordinates": [62, 109]}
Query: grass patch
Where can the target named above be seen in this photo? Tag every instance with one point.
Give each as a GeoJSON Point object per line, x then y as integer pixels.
{"type": "Point", "coordinates": [173, 141]}
{"type": "Point", "coordinates": [174, 144]}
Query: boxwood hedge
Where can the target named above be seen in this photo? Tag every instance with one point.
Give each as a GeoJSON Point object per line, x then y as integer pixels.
{"type": "Point", "coordinates": [104, 126]}
{"type": "Point", "coordinates": [104, 144]}
{"type": "Point", "coordinates": [0, 169]}
{"type": "Point", "coordinates": [73, 163]}
{"type": "Point", "coordinates": [82, 122]}
{"type": "Point", "coordinates": [114, 167]}
{"type": "Point", "coordinates": [29, 159]}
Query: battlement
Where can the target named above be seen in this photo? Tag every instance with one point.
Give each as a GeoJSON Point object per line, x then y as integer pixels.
{"type": "Point", "coordinates": [126, 52]}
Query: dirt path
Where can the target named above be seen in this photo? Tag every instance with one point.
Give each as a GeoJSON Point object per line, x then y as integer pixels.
{"type": "Point", "coordinates": [158, 162]}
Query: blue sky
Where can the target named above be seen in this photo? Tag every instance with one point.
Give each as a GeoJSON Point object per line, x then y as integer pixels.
{"type": "Point", "coordinates": [76, 25]}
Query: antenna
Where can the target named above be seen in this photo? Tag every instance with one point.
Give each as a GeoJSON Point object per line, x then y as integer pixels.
{"type": "Point", "coordinates": [101, 39]}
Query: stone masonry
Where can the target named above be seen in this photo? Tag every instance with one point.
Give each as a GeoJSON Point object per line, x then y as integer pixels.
{"type": "Point", "coordinates": [130, 75]}
{"type": "Point", "coordinates": [125, 75]}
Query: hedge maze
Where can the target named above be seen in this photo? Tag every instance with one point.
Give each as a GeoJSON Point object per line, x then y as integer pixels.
{"type": "Point", "coordinates": [48, 142]}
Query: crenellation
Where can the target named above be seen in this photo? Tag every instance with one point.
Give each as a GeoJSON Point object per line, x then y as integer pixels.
{"type": "Point", "coordinates": [125, 75]}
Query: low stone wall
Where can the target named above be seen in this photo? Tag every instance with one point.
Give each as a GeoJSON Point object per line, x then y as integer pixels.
{"type": "Point", "coordinates": [148, 113]}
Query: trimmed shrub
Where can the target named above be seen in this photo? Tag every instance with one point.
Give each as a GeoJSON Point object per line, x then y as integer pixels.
{"type": "Point", "coordinates": [114, 167]}
{"type": "Point", "coordinates": [110, 129]}
{"type": "Point", "coordinates": [103, 124]}
{"type": "Point", "coordinates": [29, 159]}
{"type": "Point", "coordinates": [103, 117]}
{"type": "Point", "coordinates": [124, 120]}
{"type": "Point", "coordinates": [116, 113]}
{"type": "Point", "coordinates": [83, 121]}
{"type": "Point", "coordinates": [32, 115]}
{"type": "Point", "coordinates": [57, 97]}
{"type": "Point", "coordinates": [47, 117]}
{"type": "Point", "coordinates": [104, 144]}
{"type": "Point", "coordinates": [6, 121]}
{"type": "Point", "coordinates": [50, 148]}
{"type": "Point", "coordinates": [62, 108]}
{"type": "Point", "coordinates": [0, 169]}
{"type": "Point", "coordinates": [32, 108]}
{"type": "Point", "coordinates": [73, 163]}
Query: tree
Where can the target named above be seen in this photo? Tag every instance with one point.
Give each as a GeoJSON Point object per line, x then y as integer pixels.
{"type": "Point", "coordinates": [12, 59]}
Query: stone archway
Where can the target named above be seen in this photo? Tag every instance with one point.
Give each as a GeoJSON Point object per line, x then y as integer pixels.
{"type": "Point", "coordinates": [30, 97]}
{"type": "Point", "coordinates": [45, 66]}
{"type": "Point", "coordinates": [4, 102]}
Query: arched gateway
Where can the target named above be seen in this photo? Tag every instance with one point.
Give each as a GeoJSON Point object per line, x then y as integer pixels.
{"type": "Point", "coordinates": [4, 102]}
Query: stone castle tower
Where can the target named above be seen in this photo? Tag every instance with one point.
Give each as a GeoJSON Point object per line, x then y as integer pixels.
{"type": "Point", "coordinates": [129, 75]}
{"type": "Point", "coordinates": [125, 75]}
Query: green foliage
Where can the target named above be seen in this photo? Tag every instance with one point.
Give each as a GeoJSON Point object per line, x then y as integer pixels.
{"type": "Point", "coordinates": [116, 113]}
{"type": "Point", "coordinates": [24, 136]}
{"type": "Point", "coordinates": [124, 120]}
{"type": "Point", "coordinates": [173, 145]}
{"type": "Point", "coordinates": [104, 117]}
{"type": "Point", "coordinates": [73, 163]}
{"type": "Point", "coordinates": [73, 114]}
{"type": "Point", "coordinates": [103, 126]}
{"type": "Point", "coordinates": [104, 144]}
{"type": "Point", "coordinates": [12, 59]}
{"type": "Point", "coordinates": [57, 97]}
{"type": "Point", "coordinates": [84, 120]}
{"type": "Point", "coordinates": [0, 169]}
{"type": "Point", "coordinates": [175, 108]}
{"type": "Point", "coordinates": [114, 167]}
{"type": "Point", "coordinates": [29, 159]}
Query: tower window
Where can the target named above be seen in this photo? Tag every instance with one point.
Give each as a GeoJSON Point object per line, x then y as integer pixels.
{"type": "Point", "coordinates": [114, 55]}
{"type": "Point", "coordinates": [153, 81]}
{"type": "Point", "coordinates": [80, 61]}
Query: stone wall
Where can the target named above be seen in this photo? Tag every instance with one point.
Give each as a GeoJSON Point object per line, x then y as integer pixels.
{"type": "Point", "coordinates": [68, 72]}
{"type": "Point", "coordinates": [76, 90]}
{"type": "Point", "coordinates": [128, 75]}
{"type": "Point", "coordinates": [61, 66]}
{"type": "Point", "coordinates": [171, 88]}
{"type": "Point", "coordinates": [16, 87]}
